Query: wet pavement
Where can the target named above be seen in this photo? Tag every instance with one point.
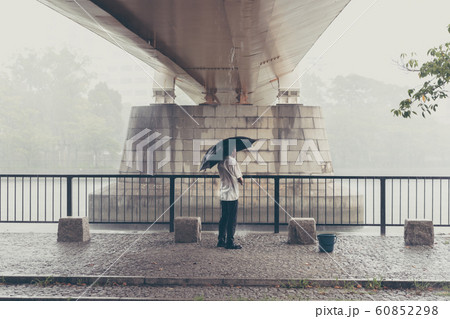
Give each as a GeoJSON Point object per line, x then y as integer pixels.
{"type": "Point", "coordinates": [265, 256]}
{"type": "Point", "coordinates": [235, 293]}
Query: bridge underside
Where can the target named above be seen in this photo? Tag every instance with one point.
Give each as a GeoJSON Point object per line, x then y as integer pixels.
{"type": "Point", "coordinates": [216, 51]}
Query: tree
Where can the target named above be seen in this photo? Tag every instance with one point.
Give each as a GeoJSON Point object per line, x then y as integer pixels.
{"type": "Point", "coordinates": [50, 113]}
{"type": "Point", "coordinates": [365, 138]}
{"type": "Point", "coordinates": [437, 73]}
{"type": "Point", "coordinates": [101, 122]}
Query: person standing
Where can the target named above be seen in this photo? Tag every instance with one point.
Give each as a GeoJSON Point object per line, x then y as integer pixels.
{"type": "Point", "coordinates": [230, 175]}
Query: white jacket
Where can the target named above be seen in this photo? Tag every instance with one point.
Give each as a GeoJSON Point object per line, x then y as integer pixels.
{"type": "Point", "coordinates": [229, 173]}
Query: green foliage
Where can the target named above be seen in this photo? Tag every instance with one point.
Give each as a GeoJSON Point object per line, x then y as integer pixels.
{"type": "Point", "coordinates": [375, 283]}
{"type": "Point", "coordinates": [43, 283]}
{"type": "Point", "coordinates": [436, 74]}
{"type": "Point", "coordinates": [301, 284]}
{"type": "Point", "coordinates": [348, 285]}
{"type": "Point", "coordinates": [421, 285]}
{"type": "Point", "coordinates": [364, 136]}
{"type": "Point", "coordinates": [50, 113]}
{"type": "Point", "coordinates": [199, 298]}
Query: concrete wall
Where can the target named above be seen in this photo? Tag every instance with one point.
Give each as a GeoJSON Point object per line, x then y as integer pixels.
{"type": "Point", "coordinates": [287, 121]}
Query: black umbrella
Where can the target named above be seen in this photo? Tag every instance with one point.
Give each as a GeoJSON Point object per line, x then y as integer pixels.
{"type": "Point", "coordinates": [224, 148]}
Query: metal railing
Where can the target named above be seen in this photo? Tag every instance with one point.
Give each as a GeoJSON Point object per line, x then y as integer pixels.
{"type": "Point", "coordinates": [264, 199]}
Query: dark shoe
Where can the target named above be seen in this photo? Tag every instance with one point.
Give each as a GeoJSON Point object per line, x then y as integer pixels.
{"type": "Point", "coordinates": [221, 244]}
{"type": "Point", "coordinates": [233, 246]}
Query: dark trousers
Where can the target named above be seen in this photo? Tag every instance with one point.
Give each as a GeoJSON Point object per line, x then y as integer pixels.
{"type": "Point", "coordinates": [227, 223]}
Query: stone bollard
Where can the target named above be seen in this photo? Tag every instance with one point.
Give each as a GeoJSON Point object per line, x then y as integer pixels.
{"type": "Point", "coordinates": [419, 232]}
{"type": "Point", "coordinates": [302, 231]}
{"type": "Point", "coordinates": [187, 229]}
{"type": "Point", "coordinates": [73, 229]}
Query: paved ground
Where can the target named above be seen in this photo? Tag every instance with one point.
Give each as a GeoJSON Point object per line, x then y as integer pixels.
{"type": "Point", "coordinates": [74, 292]}
{"type": "Point", "coordinates": [264, 256]}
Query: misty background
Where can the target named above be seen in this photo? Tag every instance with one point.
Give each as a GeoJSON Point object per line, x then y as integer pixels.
{"type": "Point", "coordinates": [65, 93]}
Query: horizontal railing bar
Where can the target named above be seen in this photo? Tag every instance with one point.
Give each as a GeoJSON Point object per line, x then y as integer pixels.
{"type": "Point", "coordinates": [28, 222]}
{"type": "Point", "coordinates": [217, 176]}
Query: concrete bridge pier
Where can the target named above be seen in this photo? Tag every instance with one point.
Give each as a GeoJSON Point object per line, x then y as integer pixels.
{"type": "Point", "coordinates": [166, 139]}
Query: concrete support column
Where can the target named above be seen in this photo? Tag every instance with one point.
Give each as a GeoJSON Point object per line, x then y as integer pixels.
{"type": "Point", "coordinates": [242, 97]}
{"type": "Point", "coordinates": [289, 89]}
{"type": "Point", "coordinates": [210, 97]}
{"type": "Point", "coordinates": [164, 88]}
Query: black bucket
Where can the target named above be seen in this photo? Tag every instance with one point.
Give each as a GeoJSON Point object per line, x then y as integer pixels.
{"type": "Point", "coordinates": [326, 242]}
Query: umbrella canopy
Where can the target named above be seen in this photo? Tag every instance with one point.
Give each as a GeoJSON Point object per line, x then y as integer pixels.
{"type": "Point", "coordinates": [224, 148]}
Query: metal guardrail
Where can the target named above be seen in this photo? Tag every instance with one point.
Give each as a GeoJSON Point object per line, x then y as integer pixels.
{"type": "Point", "coordinates": [265, 199]}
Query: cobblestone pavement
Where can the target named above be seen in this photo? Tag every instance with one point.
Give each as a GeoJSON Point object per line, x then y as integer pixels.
{"type": "Point", "coordinates": [264, 255]}
{"type": "Point", "coordinates": [220, 293]}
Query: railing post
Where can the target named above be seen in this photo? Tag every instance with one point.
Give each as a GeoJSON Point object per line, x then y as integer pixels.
{"type": "Point", "coordinates": [277, 206]}
{"type": "Point", "coordinates": [69, 196]}
{"type": "Point", "coordinates": [383, 206]}
{"type": "Point", "coordinates": [172, 203]}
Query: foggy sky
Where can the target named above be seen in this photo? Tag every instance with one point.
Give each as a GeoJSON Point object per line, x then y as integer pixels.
{"type": "Point", "coordinates": [365, 39]}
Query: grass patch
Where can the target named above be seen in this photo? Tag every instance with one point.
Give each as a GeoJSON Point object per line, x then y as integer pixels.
{"type": "Point", "coordinates": [444, 293]}
{"type": "Point", "coordinates": [43, 283]}
{"type": "Point", "coordinates": [299, 284]}
{"type": "Point", "coordinates": [421, 285]}
{"type": "Point", "coordinates": [199, 298]}
{"type": "Point", "coordinates": [81, 282]}
{"type": "Point", "coordinates": [375, 283]}
{"type": "Point", "coordinates": [348, 285]}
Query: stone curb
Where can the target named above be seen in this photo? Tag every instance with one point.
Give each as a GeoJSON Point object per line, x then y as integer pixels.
{"type": "Point", "coordinates": [74, 298]}
{"type": "Point", "coordinates": [44, 280]}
